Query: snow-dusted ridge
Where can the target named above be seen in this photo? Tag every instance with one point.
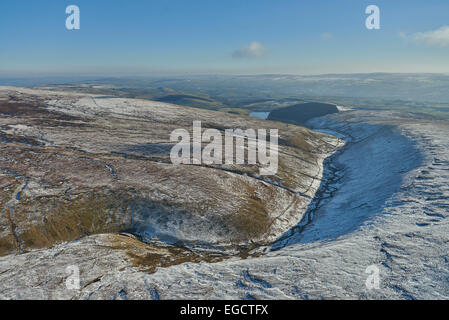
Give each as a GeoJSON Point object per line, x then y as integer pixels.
{"type": "Point", "coordinates": [75, 166]}
{"type": "Point", "coordinates": [384, 202]}
{"type": "Point", "coordinates": [115, 152]}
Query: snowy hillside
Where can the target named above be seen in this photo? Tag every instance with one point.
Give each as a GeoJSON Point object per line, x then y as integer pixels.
{"type": "Point", "coordinates": [383, 202]}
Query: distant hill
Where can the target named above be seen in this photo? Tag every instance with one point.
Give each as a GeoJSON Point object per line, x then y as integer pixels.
{"type": "Point", "coordinates": [302, 112]}
{"type": "Point", "coordinates": [189, 100]}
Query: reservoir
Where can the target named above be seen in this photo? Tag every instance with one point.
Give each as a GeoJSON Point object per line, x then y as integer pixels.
{"type": "Point", "coordinates": [260, 115]}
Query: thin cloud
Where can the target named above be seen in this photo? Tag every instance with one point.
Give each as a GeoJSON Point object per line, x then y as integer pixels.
{"type": "Point", "coordinates": [253, 50]}
{"type": "Point", "coordinates": [438, 37]}
{"type": "Point", "coordinates": [326, 36]}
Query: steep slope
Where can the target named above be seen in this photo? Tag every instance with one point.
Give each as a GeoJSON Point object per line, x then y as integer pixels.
{"type": "Point", "coordinates": [382, 203]}
{"type": "Point", "coordinates": [73, 165]}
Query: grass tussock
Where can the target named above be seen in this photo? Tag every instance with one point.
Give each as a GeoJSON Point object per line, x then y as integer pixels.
{"type": "Point", "coordinates": [148, 258]}
{"type": "Point", "coordinates": [70, 220]}
{"type": "Point", "coordinates": [300, 141]}
{"type": "Point", "coordinates": [253, 219]}
{"type": "Point", "coordinates": [7, 245]}
{"type": "Point", "coordinates": [287, 175]}
{"type": "Point", "coordinates": [8, 186]}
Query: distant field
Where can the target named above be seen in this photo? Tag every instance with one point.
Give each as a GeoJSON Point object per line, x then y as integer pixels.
{"type": "Point", "coordinates": [417, 93]}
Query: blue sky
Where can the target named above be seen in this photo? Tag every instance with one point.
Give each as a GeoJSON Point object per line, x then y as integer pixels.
{"type": "Point", "coordinates": [209, 36]}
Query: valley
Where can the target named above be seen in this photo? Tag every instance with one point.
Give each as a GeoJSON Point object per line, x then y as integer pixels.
{"type": "Point", "coordinates": [374, 194]}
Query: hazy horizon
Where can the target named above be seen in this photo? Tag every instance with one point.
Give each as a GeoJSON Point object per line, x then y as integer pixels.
{"type": "Point", "coordinates": [150, 75]}
{"type": "Point", "coordinates": [205, 37]}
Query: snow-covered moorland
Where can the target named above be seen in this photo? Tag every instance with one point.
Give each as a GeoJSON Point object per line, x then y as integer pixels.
{"type": "Point", "coordinates": [383, 202]}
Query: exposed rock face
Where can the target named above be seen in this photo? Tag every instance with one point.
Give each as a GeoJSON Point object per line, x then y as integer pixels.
{"type": "Point", "coordinates": [302, 112]}
{"type": "Point", "coordinates": [72, 165]}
